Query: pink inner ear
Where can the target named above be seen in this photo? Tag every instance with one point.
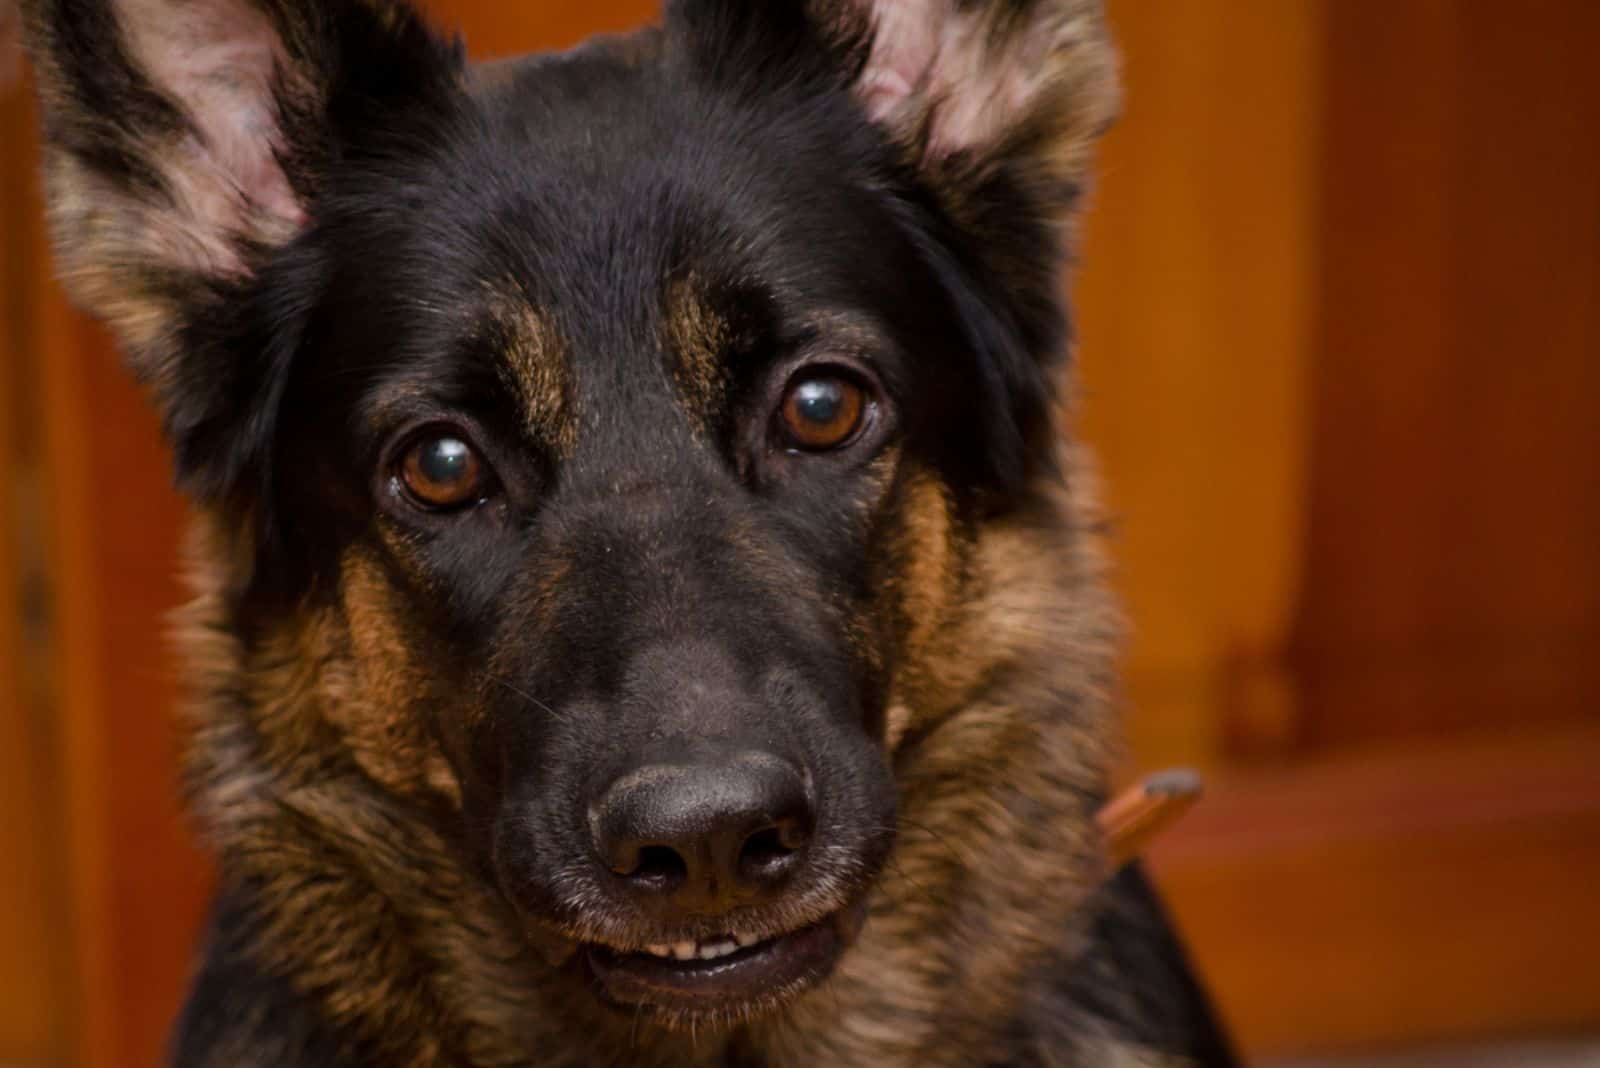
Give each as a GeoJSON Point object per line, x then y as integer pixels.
{"type": "Point", "coordinates": [942, 55]}
{"type": "Point", "coordinates": [217, 59]}
{"type": "Point", "coordinates": [904, 47]}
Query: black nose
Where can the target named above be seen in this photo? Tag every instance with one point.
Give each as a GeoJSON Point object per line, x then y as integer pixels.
{"type": "Point", "coordinates": [705, 835]}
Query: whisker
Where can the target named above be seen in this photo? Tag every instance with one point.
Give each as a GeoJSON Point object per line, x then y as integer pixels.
{"type": "Point", "coordinates": [956, 854]}
{"type": "Point", "coordinates": [525, 695]}
{"type": "Point", "coordinates": [899, 869]}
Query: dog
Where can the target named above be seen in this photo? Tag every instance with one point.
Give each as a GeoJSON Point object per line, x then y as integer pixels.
{"type": "Point", "coordinates": [646, 608]}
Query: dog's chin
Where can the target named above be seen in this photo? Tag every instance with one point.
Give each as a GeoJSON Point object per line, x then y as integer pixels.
{"type": "Point", "coordinates": [719, 981]}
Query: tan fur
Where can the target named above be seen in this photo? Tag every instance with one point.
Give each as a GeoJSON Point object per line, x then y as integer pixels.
{"type": "Point", "coordinates": [372, 910]}
{"type": "Point", "coordinates": [1007, 731]}
{"type": "Point", "coordinates": [95, 244]}
{"type": "Point", "coordinates": [372, 695]}
{"type": "Point", "coordinates": [539, 370]}
{"type": "Point", "coordinates": [696, 339]}
{"type": "Point", "coordinates": [923, 592]}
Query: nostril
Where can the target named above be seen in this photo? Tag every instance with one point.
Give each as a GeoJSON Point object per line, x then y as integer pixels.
{"type": "Point", "coordinates": [704, 836]}
{"type": "Point", "coordinates": [654, 867]}
{"type": "Point", "coordinates": [771, 851]}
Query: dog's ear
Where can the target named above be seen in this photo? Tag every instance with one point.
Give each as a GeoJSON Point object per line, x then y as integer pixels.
{"type": "Point", "coordinates": [997, 105]}
{"type": "Point", "coordinates": [978, 86]}
{"type": "Point", "coordinates": [185, 143]}
{"type": "Point", "coordinates": [993, 108]}
{"type": "Point", "coordinates": [968, 88]}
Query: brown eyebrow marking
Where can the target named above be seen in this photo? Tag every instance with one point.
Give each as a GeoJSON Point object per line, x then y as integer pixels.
{"type": "Point", "coordinates": [536, 365]}
{"type": "Point", "coordinates": [697, 337]}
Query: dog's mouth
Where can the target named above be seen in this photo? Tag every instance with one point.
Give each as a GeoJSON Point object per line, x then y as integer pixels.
{"type": "Point", "coordinates": [723, 978]}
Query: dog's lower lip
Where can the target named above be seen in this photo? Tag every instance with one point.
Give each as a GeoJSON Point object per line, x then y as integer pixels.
{"type": "Point", "coordinates": [762, 972]}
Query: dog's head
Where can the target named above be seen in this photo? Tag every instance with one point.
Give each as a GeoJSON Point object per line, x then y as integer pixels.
{"type": "Point", "coordinates": [621, 409]}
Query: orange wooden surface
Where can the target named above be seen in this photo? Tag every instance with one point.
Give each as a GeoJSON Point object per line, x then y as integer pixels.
{"type": "Point", "coordinates": [1414, 893]}
{"type": "Point", "coordinates": [496, 29]}
{"type": "Point", "coordinates": [138, 882]}
{"type": "Point", "coordinates": [1196, 304]}
{"type": "Point", "coordinates": [1452, 563]}
{"type": "Point", "coordinates": [32, 932]}
{"type": "Point", "coordinates": [1340, 318]}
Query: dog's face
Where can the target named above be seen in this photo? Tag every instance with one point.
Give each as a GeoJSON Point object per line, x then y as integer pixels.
{"type": "Point", "coordinates": [613, 404]}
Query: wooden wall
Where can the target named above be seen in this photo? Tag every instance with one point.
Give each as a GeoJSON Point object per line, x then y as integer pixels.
{"type": "Point", "coordinates": [33, 977]}
{"type": "Point", "coordinates": [1339, 346]}
{"type": "Point", "coordinates": [104, 759]}
{"type": "Point", "coordinates": [1452, 578]}
{"type": "Point", "coordinates": [1197, 309]}
{"type": "Point", "coordinates": [1341, 332]}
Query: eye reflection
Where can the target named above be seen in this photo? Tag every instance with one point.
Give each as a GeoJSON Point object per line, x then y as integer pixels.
{"type": "Point", "coordinates": [441, 470]}
{"type": "Point", "coordinates": [822, 412]}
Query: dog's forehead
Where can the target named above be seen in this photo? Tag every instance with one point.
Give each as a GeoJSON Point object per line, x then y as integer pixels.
{"type": "Point", "coordinates": [607, 239]}
{"type": "Point", "coordinates": [539, 256]}
{"type": "Point", "coordinates": [557, 379]}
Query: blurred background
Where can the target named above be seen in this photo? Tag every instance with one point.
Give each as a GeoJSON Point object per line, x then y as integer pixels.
{"type": "Point", "coordinates": [1340, 319]}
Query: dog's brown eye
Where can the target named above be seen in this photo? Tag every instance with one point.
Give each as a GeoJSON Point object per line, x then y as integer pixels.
{"type": "Point", "coordinates": [442, 471]}
{"type": "Point", "coordinates": [822, 412]}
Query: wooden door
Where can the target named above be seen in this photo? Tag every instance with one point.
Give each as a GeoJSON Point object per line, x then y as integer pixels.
{"type": "Point", "coordinates": [1341, 338]}
{"type": "Point", "coordinates": [32, 926]}
{"type": "Point", "coordinates": [119, 886]}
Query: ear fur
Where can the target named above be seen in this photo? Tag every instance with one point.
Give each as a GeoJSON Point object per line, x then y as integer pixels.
{"type": "Point", "coordinates": [992, 108]}
{"type": "Point", "coordinates": [961, 85]}
{"type": "Point", "coordinates": [976, 82]}
{"type": "Point", "coordinates": [995, 107]}
{"type": "Point", "coordinates": [183, 145]}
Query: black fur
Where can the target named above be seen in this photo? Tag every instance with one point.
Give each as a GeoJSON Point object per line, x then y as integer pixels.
{"type": "Point", "coordinates": [1136, 979]}
{"type": "Point", "coordinates": [237, 1008]}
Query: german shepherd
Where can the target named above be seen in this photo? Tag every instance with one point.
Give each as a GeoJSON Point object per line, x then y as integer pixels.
{"type": "Point", "coordinates": [645, 613]}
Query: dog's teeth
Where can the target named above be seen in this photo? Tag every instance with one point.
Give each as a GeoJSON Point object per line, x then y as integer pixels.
{"type": "Point", "coordinates": [712, 951]}
{"type": "Point", "coordinates": [722, 947]}
{"type": "Point", "coordinates": [745, 940]}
